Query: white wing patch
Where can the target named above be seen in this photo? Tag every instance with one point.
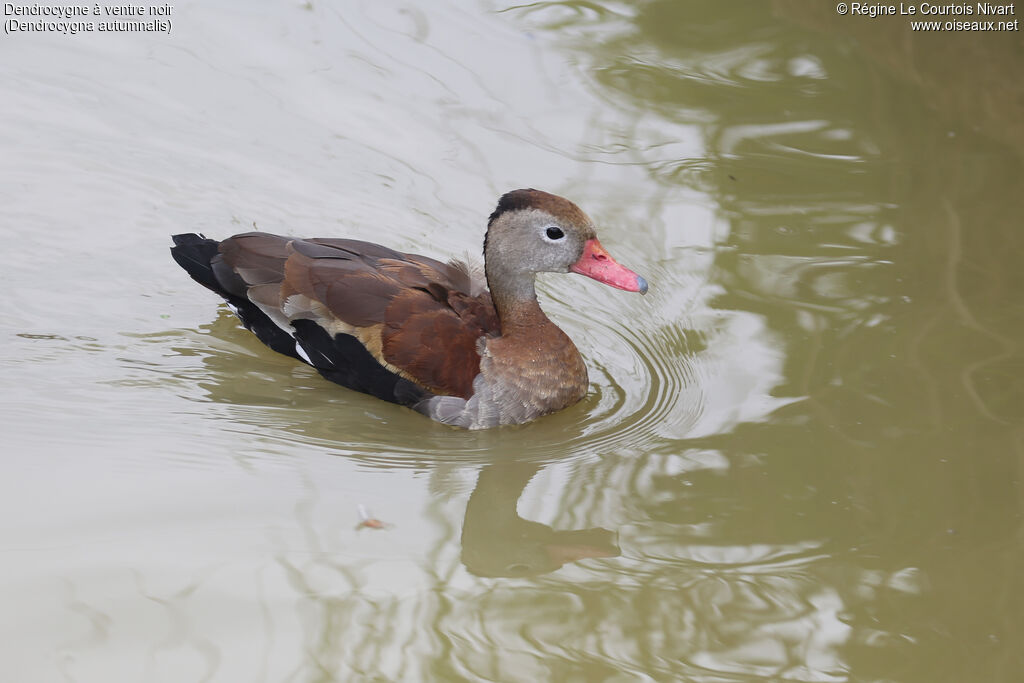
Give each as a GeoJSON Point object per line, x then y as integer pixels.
{"type": "Point", "coordinates": [302, 352]}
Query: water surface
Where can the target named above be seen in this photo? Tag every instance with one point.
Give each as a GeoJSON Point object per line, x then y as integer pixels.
{"type": "Point", "coordinates": [800, 458]}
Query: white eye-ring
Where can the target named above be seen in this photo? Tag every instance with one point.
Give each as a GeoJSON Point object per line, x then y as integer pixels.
{"type": "Point", "coordinates": [554, 233]}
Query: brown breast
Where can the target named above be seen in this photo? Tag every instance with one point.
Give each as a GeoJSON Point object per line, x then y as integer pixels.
{"type": "Point", "coordinates": [535, 368]}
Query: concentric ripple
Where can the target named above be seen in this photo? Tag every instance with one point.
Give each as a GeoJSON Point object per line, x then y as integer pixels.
{"type": "Point", "coordinates": [646, 383]}
{"type": "Point", "coordinates": [662, 368]}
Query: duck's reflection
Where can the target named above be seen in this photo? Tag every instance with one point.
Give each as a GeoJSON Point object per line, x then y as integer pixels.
{"type": "Point", "coordinates": [497, 542]}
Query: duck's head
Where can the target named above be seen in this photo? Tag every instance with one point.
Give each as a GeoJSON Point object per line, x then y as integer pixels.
{"type": "Point", "coordinates": [536, 232]}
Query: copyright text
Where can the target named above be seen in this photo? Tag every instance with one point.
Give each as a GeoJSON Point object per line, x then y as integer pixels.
{"type": "Point", "coordinates": [979, 16]}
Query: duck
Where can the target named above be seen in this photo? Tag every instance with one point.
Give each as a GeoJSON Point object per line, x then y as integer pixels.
{"type": "Point", "coordinates": [497, 542]}
{"type": "Point", "coordinates": [463, 349]}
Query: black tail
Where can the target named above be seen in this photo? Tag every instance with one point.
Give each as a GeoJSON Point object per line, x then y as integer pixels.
{"type": "Point", "coordinates": [195, 254]}
{"type": "Point", "coordinates": [340, 358]}
{"type": "Point", "coordinates": [200, 256]}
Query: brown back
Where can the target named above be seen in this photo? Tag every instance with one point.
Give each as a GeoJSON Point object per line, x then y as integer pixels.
{"type": "Point", "coordinates": [414, 314]}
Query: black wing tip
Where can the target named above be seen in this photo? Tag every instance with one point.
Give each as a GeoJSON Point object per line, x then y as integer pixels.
{"type": "Point", "coordinates": [344, 360]}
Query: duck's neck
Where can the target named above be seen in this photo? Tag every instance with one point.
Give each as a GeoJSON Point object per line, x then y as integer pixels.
{"type": "Point", "coordinates": [515, 299]}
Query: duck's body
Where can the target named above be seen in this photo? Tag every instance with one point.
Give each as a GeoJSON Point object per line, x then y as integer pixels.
{"type": "Point", "coordinates": [415, 331]}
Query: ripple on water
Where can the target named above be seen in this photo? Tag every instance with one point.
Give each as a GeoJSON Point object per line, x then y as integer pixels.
{"type": "Point", "coordinates": [637, 381]}
{"type": "Point", "coordinates": [653, 362]}
{"type": "Point", "coordinates": [649, 382]}
{"type": "Point", "coordinates": [642, 381]}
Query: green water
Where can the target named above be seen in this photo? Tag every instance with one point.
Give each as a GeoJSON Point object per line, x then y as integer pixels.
{"type": "Point", "coordinates": [801, 456]}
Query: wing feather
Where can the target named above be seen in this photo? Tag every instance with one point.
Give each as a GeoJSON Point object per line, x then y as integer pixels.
{"type": "Point", "coordinates": [415, 315]}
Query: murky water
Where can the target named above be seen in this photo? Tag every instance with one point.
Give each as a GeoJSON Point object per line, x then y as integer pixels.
{"type": "Point", "coordinates": [801, 455]}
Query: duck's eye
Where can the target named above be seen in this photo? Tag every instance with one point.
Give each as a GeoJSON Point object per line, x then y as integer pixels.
{"type": "Point", "coordinates": [554, 233]}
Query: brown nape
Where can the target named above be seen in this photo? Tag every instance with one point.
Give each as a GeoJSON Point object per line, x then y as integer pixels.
{"type": "Point", "coordinates": [517, 200]}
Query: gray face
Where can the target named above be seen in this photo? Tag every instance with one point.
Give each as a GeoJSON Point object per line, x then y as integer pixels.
{"type": "Point", "coordinates": [534, 241]}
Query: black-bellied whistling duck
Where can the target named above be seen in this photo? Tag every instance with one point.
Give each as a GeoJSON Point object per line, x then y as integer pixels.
{"type": "Point", "coordinates": [496, 541]}
{"type": "Point", "coordinates": [415, 331]}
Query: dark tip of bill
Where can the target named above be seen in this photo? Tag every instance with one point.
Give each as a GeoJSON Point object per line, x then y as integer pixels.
{"type": "Point", "coordinates": [642, 284]}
